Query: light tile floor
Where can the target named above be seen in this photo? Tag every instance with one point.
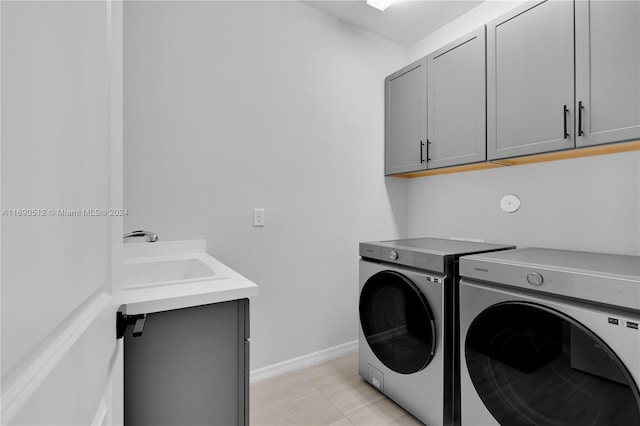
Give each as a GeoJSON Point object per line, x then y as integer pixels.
{"type": "Point", "coordinates": [331, 393]}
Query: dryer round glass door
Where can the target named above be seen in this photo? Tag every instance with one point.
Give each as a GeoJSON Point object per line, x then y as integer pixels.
{"type": "Point", "coordinates": [397, 322]}
{"type": "Point", "coordinates": [532, 365]}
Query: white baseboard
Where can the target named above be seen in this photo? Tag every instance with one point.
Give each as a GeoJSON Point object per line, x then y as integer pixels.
{"type": "Point", "coordinates": [314, 358]}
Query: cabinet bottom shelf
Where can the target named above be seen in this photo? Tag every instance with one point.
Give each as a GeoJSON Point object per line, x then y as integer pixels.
{"type": "Point", "coordinates": [538, 158]}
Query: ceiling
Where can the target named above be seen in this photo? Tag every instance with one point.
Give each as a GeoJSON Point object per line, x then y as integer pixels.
{"type": "Point", "coordinates": [404, 22]}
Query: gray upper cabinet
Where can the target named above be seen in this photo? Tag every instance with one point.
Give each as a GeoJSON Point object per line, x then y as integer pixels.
{"type": "Point", "coordinates": [547, 76]}
{"type": "Point", "coordinates": [456, 94]}
{"type": "Point", "coordinates": [405, 119]}
{"type": "Point", "coordinates": [530, 80]}
{"type": "Point", "coordinates": [607, 71]}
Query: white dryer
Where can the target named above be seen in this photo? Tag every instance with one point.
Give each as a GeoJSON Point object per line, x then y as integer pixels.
{"type": "Point", "coordinates": [408, 323]}
{"type": "Point", "coordinates": [550, 337]}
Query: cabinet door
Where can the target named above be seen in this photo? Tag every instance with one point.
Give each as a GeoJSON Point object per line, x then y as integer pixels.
{"type": "Point", "coordinates": [406, 119]}
{"type": "Point", "coordinates": [530, 78]}
{"type": "Point", "coordinates": [607, 71]}
{"type": "Point", "coordinates": [456, 94]}
{"type": "Point", "coordinates": [188, 367]}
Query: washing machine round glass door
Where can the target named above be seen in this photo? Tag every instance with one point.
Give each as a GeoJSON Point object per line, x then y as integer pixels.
{"type": "Point", "coordinates": [397, 322]}
{"type": "Point", "coordinates": [532, 365]}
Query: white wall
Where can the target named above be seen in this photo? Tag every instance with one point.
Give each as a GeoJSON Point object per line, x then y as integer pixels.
{"type": "Point", "coordinates": [590, 204]}
{"type": "Point", "coordinates": [235, 105]}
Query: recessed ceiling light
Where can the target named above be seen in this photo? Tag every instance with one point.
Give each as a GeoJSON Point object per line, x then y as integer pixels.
{"type": "Point", "coordinates": [380, 4]}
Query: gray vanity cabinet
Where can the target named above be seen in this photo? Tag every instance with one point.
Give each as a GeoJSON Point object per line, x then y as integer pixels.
{"type": "Point", "coordinates": [607, 71]}
{"type": "Point", "coordinates": [405, 119]}
{"type": "Point", "coordinates": [530, 80]}
{"type": "Point", "coordinates": [456, 96]}
{"type": "Point", "coordinates": [189, 367]}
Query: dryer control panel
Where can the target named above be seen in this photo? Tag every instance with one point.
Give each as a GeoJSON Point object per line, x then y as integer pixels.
{"type": "Point", "coordinates": [594, 277]}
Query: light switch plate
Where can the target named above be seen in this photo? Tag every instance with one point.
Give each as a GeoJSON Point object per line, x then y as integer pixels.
{"type": "Point", "coordinates": [258, 217]}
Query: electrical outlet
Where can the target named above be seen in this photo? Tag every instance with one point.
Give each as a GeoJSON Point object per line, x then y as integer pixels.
{"type": "Point", "coordinates": [258, 217]}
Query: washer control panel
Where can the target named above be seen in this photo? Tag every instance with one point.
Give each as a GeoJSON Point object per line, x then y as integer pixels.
{"type": "Point", "coordinates": [535, 279]}
{"type": "Point", "coordinates": [400, 256]}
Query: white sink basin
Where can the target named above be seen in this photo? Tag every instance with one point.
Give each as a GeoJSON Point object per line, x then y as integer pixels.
{"type": "Point", "coordinates": [146, 273]}
{"type": "Point", "coordinates": [162, 276]}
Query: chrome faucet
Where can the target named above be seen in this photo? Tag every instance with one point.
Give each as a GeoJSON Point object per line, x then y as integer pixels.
{"type": "Point", "coordinates": [150, 237]}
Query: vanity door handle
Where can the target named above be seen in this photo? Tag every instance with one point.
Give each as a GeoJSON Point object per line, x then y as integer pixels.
{"type": "Point", "coordinates": [565, 110]}
{"type": "Point", "coordinates": [428, 143]}
{"type": "Point", "coordinates": [123, 321]}
{"type": "Point", "coordinates": [139, 325]}
{"type": "Point", "coordinates": [421, 148]}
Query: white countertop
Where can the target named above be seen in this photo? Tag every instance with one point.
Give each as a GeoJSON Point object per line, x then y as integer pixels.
{"type": "Point", "coordinates": [226, 284]}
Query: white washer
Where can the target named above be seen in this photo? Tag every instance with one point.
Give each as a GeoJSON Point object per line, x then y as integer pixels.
{"type": "Point", "coordinates": [408, 290]}
{"type": "Point", "coordinates": [550, 337]}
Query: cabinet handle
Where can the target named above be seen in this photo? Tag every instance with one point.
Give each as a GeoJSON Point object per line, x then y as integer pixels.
{"type": "Point", "coordinates": [138, 327]}
{"type": "Point", "coordinates": [428, 143]}
{"type": "Point", "coordinates": [565, 110]}
{"type": "Point", "coordinates": [580, 108]}
{"type": "Point", "coordinates": [123, 321]}
{"type": "Point", "coordinates": [421, 148]}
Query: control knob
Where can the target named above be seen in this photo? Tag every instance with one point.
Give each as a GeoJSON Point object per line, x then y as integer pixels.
{"type": "Point", "coordinates": [393, 255]}
{"type": "Point", "coordinates": [535, 279]}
